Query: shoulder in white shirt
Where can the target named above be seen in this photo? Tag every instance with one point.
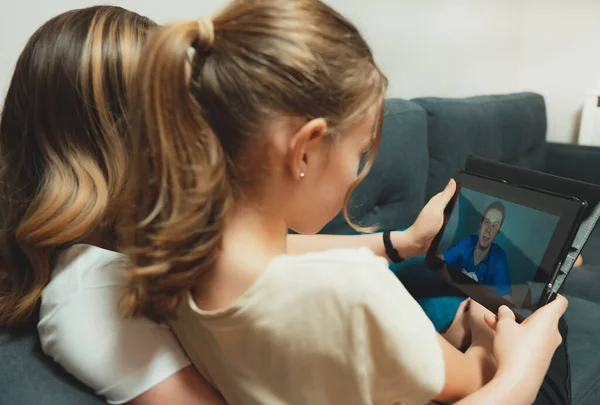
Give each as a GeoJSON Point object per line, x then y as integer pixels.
{"type": "Point", "coordinates": [82, 329]}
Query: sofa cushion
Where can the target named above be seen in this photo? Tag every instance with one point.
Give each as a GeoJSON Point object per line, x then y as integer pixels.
{"type": "Point", "coordinates": [584, 356]}
{"type": "Point", "coordinates": [508, 128]}
{"type": "Point", "coordinates": [393, 192]}
{"type": "Point", "coordinates": [584, 282]}
{"type": "Point", "coordinates": [29, 377]}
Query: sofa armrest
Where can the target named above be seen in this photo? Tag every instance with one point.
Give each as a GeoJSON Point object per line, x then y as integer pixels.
{"type": "Point", "coordinates": [574, 161]}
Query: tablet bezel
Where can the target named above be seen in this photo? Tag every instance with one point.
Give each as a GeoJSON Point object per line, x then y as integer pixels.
{"type": "Point", "coordinates": [590, 193]}
{"type": "Point", "coordinates": [568, 210]}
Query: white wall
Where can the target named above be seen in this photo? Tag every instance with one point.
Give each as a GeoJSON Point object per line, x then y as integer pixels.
{"type": "Point", "coordinates": [560, 58]}
{"type": "Point", "coordinates": [426, 47]}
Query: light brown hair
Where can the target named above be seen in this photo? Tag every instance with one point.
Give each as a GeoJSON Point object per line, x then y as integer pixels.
{"type": "Point", "coordinates": [63, 144]}
{"type": "Point", "coordinates": [197, 141]}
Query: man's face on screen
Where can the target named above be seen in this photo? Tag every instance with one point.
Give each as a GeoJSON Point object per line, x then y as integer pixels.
{"type": "Point", "coordinates": [490, 226]}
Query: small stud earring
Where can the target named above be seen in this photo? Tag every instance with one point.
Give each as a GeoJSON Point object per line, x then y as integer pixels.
{"type": "Point", "coordinates": [302, 175]}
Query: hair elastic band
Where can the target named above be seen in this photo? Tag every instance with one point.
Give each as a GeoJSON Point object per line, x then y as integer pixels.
{"type": "Point", "coordinates": [206, 32]}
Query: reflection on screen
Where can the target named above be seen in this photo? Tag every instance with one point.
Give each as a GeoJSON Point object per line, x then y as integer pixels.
{"type": "Point", "coordinates": [496, 242]}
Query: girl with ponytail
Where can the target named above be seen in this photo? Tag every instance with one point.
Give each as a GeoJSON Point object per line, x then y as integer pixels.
{"type": "Point", "coordinates": [263, 131]}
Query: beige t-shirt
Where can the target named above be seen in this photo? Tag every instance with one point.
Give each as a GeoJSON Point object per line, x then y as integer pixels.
{"type": "Point", "coordinates": [335, 327]}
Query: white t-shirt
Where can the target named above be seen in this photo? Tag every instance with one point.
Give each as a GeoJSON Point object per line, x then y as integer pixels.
{"type": "Point", "coordinates": [81, 328]}
{"type": "Point", "coordinates": [335, 327]}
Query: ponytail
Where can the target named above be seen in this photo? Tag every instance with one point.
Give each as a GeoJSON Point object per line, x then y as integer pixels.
{"type": "Point", "coordinates": [180, 191]}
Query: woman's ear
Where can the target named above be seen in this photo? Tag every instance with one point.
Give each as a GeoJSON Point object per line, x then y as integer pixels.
{"type": "Point", "coordinates": [302, 144]}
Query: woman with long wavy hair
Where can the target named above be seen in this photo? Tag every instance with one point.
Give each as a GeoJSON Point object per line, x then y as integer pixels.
{"type": "Point", "coordinates": [64, 150]}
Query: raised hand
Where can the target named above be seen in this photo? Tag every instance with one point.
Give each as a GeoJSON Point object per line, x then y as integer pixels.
{"type": "Point", "coordinates": [430, 220]}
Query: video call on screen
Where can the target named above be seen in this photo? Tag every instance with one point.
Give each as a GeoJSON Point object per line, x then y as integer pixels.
{"type": "Point", "coordinates": [496, 242]}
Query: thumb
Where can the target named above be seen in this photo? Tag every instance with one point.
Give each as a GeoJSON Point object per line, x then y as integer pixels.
{"type": "Point", "coordinates": [446, 195]}
{"type": "Point", "coordinates": [558, 306]}
{"type": "Point", "coordinates": [553, 310]}
{"type": "Point", "coordinates": [505, 314]}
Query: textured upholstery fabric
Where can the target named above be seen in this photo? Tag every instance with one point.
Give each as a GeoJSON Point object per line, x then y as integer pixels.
{"type": "Point", "coordinates": [393, 192]}
{"type": "Point", "coordinates": [28, 377]}
{"type": "Point", "coordinates": [574, 162]}
{"type": "Point", "coordinates": [584, 282]}
{"type": "Point", "coordinates": [508, 128]}
{"type": "Point", "coordinates": [582, 288]}
{"type": "Point", "coordinates": [582, 318]}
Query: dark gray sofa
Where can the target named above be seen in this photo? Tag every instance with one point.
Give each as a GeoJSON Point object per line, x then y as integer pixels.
{"type": "Point", "coordinates": [425, 142]}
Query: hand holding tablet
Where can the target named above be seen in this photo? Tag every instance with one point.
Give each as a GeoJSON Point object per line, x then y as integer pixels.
{"type": "Point", "coordinates": [506, 243]}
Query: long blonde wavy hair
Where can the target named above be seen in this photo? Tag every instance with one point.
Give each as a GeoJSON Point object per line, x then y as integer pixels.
{"type": "Point", "coordinates": [63, 145]}
{"type": "Point", "coordinates": [197, 135]}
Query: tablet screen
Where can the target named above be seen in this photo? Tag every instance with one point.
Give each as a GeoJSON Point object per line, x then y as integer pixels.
{"type": "Point", "coordinates": [501, 244]}
{"type": "Point", "coordinates": [496, 242]}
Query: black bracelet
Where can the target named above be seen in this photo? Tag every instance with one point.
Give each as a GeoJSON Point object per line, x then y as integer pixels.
{"type": "Point", "coordinates": [390, 251]}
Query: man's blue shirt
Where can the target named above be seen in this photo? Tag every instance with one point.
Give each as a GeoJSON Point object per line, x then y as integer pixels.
{"type": "Point", "coordinates": [491, 271]}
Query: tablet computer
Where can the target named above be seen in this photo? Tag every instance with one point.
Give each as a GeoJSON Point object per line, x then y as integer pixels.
{"type": "Point", "coordinates": [590, 193]}
{"type": "Point", "coordinates": [502, 244]}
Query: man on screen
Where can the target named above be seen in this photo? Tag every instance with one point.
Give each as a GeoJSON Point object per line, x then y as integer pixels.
{"type": "Point", "coordinates": [479, 257]}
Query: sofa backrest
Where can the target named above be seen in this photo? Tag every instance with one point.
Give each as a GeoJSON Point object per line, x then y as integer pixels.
{"type": "Point", "coordinates": [393, 192]}
{"type": "Point", "coordinates": [426, 141]}
{"type": "Point", "coordinates": [508, 128]}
